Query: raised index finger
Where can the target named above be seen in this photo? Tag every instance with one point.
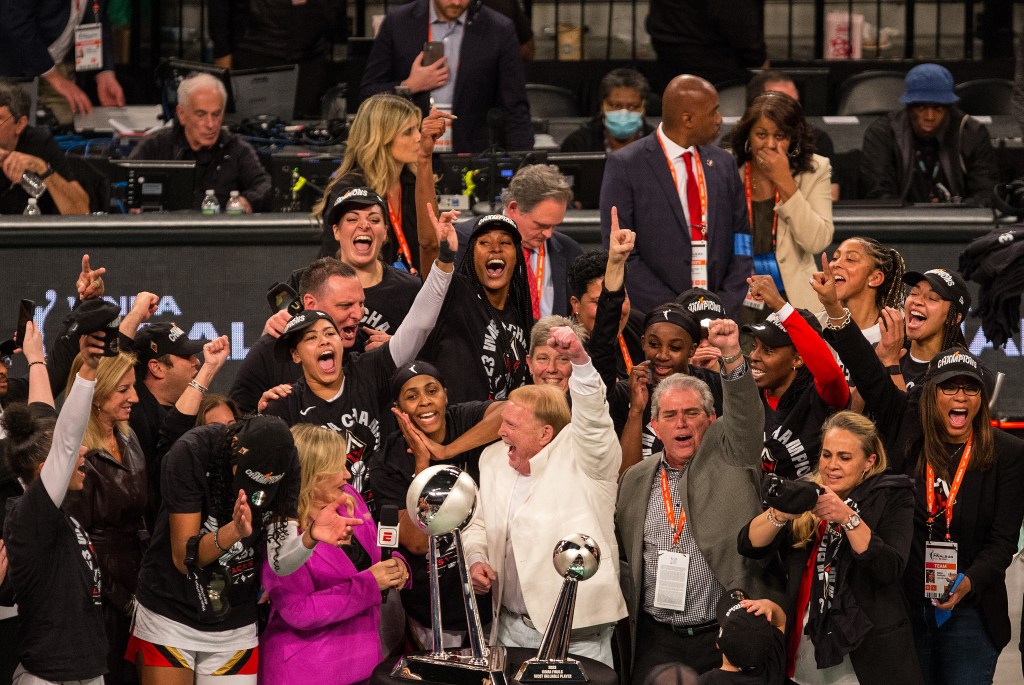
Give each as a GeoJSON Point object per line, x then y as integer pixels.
{"type": "Point", "coordinates": [615, 220]}
{"type": "Point", "coordinates": [826, 266]}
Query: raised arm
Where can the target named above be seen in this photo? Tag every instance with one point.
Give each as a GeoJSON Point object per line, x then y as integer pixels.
{"type": "Point", "coordinates": [593, 434]}
{"type": "Point", "coordinates": [743, 413]}
{"type": "Point", "coordinates": [432, 128]}
{"type": "Point", "coordinates": [604, 337]}
{"type": "Point", "coordinates": [62, 458]}
{"type": "Point", "coordinates": [405, 344]}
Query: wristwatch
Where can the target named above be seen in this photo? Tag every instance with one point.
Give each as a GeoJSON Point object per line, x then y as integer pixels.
{"type": "Point", "coordinates": [852, 522]}
{"type": "Point", "coordinates": [46, 174]}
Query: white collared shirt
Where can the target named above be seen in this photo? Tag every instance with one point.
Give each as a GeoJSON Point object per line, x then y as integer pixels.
{"type": "Point", "coordinates": [675, 153]}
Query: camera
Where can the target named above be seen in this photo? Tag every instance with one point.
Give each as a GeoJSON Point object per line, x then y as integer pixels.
{"type": "Point", "coordinates": [791, 496]}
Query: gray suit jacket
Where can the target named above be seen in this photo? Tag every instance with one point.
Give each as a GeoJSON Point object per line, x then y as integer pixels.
{"type": "Point", "coordinates": [721, 492]}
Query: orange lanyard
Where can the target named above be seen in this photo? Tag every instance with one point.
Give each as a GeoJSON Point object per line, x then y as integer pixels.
{"type": "Point", "coordinates": [702, 188]}
{"type": "Point", "coordinates": [625, 354]}
{"type": "Point", "coordinates": [670, 511]}
{"type": "Point", "coordinates": [539, 273]}
{"type": "Point", "coordinates": [954, 488]}
{"type": "Point", "coordinates": [747, 183]}
{"type": "Point", "coordinates": [396, 224]}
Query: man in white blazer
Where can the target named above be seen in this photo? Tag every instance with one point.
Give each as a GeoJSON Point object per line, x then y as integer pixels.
{"type": "Point", "coordinates": [553, 474]}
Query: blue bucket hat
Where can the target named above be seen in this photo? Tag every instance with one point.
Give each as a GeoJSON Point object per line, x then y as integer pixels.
{"type": "Point", "coordinates": [929, 83]}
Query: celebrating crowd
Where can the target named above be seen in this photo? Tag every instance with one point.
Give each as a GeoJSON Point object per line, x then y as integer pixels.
{"type": "Point", "coordinates": [789, 467]}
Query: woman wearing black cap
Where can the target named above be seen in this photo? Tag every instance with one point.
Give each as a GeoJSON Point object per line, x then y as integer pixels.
{"type": "Point", "coordinates": [969, 481]}
{"type": "Point", "coordinates": [800, 382]}
{"type": "Point", "coordinates": [703, 305]}
{"type": "Point", "coordinates": [432, 431]}
{"type": "Point", "coordinates": [390, 149]}
{"type": "Point", "coordinates": [670, 338]}
{"type": "Point", "coordinates": [935, 307]}
{"type": "Point", "coordinates": [230, 497]}
{"type": "Point", "coordinates": [479, 342]}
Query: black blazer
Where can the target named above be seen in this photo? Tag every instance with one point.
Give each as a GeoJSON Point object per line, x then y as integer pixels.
{"type": "Point", "coordinates": [491, 73]}
{"type": "Point", "coordinates": [29, 27]}
{"type": "Point", "coordinates": [887, 654]}
{"type": "Point", "coordinates": [989, 509]}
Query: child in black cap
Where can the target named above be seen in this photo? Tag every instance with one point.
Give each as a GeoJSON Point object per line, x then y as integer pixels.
{"type": "Point", "coordinates": [751, 640]}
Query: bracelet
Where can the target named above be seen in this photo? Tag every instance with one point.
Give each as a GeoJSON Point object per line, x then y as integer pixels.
{"type": "Point", "coordinates": [772, 520]}
{"type": "Point", "coordinates": [730, 360]}
{"type": "Point", "coordinates": [31, 364]}
{"type": "Point", "coordinates": [843, 320]}
{"type": "Point", "coordinates": [198, 386]}
{"type": "Point", "coordinates": [894, 370]}
{"type": "Point", "coordinates": [311, 536]}
{"type": "Point", "coordinates": [216, 541]}
{"type": "Point", "coordinates": [445, 255]}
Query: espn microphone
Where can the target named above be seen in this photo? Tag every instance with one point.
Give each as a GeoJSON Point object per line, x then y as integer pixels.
{"type": "Point", "coordinates": [387, 536]}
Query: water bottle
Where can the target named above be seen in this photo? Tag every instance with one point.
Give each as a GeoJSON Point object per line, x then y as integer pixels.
{"type": "Point", "coordinates": [234, 205]}
{"type": "Point", "coordinates": [210, 204]}
{"type": "Point", "coordinates": [32, 184]}
{"type": "Point", "coordinates": [32, 208]}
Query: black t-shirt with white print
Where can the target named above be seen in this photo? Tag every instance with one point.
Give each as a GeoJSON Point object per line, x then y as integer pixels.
{"type": "Point", "coordinates": [390, 479]}
{"type": "Point", "coordinates": [481, 357]}
{"type": "Point", "coordinates": [184, 484]}
{"type": "Point", "coordinates": [57, 586]}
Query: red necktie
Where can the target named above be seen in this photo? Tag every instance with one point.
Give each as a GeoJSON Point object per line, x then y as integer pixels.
{"type": "Point", "coordinates": [693, 199]}
{"type": "Point", "coordinates": [531, 277]}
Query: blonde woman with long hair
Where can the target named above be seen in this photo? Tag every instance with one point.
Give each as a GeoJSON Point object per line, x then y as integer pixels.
{"type": "Point", "coordinates": [843, 562]}
{"type": "Point", "coordinates": [111, 504]}
{"type": "Point", "coordinates": [389, 150]}
{"type": "Point", "coordinates": [325, 617]}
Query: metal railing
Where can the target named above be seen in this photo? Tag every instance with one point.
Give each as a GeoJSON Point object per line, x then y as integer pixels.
{"type": "Point", "coordinates": [795, 30]}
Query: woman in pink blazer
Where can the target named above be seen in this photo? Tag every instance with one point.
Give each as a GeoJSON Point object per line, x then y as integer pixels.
{"type": "Point", "coordinates": [324, 617]}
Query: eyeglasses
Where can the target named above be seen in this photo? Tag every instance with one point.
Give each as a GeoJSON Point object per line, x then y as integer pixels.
{"type": "Point", "coordinates": [970, 389]}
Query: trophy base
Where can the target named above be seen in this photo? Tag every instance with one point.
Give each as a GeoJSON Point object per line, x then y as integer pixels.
{"type": "Point", "coordinates": [546, 671]}
{"type": "Point", "coordinates": [456, 669]}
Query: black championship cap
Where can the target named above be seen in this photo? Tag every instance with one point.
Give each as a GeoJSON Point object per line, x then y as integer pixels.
{"type": "Point", "coordinates": [956, 361]}
{"type": "Point", "coordinates": [744, 638]}
{"type": "Point", "coordinates": [496, 222]}
{"type": "Point", "coordinates": [262, 452]}
{"type": "Point", "coordinates": [355, 197]}
{"type": "Point", "coordinates": [295, 326]}
{"type": "Point", "coordinates": [701, 304]}
{"type": "Point", "coordinates": [160, 339]}
{"type": "Point", "coordinates": [773, 334]}
{"type": "Point", "coordinates": [948, 284]}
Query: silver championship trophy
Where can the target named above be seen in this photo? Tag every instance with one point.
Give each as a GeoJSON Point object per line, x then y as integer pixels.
{"type": "Point", "coordinates": [441, 500]}
{"type": "Point", "coordinates": [576, 558]}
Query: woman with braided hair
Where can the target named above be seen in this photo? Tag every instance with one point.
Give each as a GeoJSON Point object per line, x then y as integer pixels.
{"type": "Point", "coordinates": [230, 500]}
{"type": "Point", "coordinates": [868, 278]}
{"type": "Point", "coordinates": [480, 341]}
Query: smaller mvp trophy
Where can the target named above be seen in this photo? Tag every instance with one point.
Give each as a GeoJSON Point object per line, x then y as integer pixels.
{"type": "Point", "coordinates": [441, 500]}
{"type": "Point", "coordinates": [576, 558]}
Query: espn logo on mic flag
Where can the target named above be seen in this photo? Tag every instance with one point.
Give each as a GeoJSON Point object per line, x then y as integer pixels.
{"type": "Point", "coordinates": [387, 536]}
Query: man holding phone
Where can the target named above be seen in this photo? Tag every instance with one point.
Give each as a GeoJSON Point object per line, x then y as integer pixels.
{"type": "Point", "coordinates": [436, 75]}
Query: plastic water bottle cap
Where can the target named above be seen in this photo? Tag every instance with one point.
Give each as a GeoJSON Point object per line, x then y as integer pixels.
{"type": "Point", "coordinates": [208, 192]}
{"type": "Point", "coordinates": [234, 193]}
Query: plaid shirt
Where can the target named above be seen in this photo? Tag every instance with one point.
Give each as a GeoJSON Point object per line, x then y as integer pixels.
{"type": "Point", "coordinates": [702, 589]}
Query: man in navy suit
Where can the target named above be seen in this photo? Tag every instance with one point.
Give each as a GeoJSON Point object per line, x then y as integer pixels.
{"type": "Point", "coordinates": [681, 194]}
{"type": "Point", "coordinates": [35, 41]}
{"type": "Point", "coordinates": [536, 199]}
{"type": "Point", "coordinates": [481, 69]}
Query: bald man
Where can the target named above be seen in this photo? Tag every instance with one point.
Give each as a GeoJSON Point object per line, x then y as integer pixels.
{"type": "Point", "coordinates": [683, 197]}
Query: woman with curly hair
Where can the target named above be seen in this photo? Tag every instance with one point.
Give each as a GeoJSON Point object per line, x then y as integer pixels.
{"type": "Point", "coordinates": [390, 150]}
{"type": "Point", "coordinates": [789, 196]}
{"type": "Point", "coordinates": [230, 500]}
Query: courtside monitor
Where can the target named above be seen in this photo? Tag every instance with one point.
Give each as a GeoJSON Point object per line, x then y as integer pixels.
{"type": "Point", "coordinates": [157, 186]}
